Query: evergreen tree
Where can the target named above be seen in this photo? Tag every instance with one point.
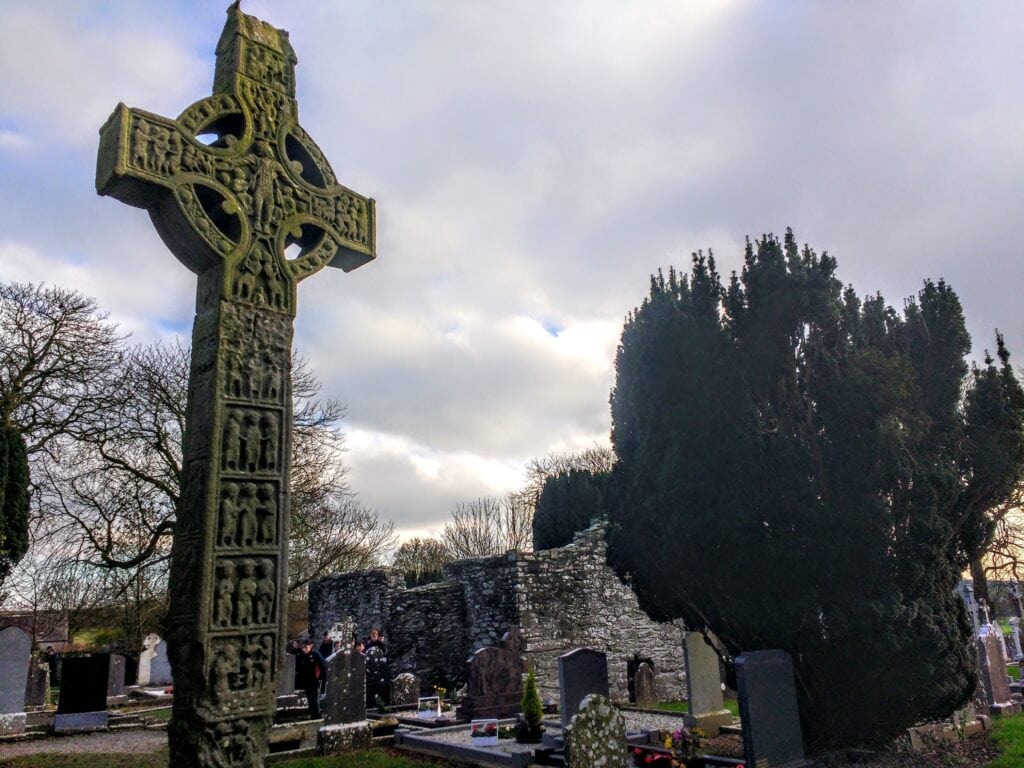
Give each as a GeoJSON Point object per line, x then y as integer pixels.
{"type": "Point", "coordinates": [568, 503]}
{"type": "Point", "coordinates": [13, 499]}
{"type": "Point", "coordinates": [797, 469]}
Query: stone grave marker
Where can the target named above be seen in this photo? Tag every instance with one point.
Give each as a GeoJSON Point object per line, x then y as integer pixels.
{"type": "Point", "coordinates": [345, 725]}
{"type": "Point", "coordinates": [378, 676]}
{"type": "Point", "coordinates": [703, 685]}
{"type": "Point", "coordinates": [494, 687]}
{"type": "Point", "coordinates": [768, 710]}
{"type": "Point", "coordinates": [15, 654]}
{"type": "Point", "coordinates": [1016, 651]}
{"type": "Point", "coordinates": [643, 684]}
{"type": "Point", "coordinates": [596, 735]}
{"type": "Point", "coordinates": [38, 684]}
{"type": "Point", "coordinates": [405, 689]}
{"type": "Point", "coordinates": [230, 184]}
{"type": "Point", "coordinates": [83, 692]}
{"type": "Point", "coordinates": [994, 679]}
{"type": "Point", "coordinates": [115, 677]}
{"type": "Point", "coordinates": [581, 672]}
{"type": "Point", "coordinates": [160, 667]}
{"type": "Point", "coordinates": [149, 646]}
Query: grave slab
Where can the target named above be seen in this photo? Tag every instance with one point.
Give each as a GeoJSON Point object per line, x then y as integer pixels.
{"type": "Point", "coordinates": [15, 653]}
{"type": "Point", "coordinates": [581, 672]}
{"type": "Point", "coordinates": [704, 685]}
{"type": "Point", "coordinates": [768, 710]}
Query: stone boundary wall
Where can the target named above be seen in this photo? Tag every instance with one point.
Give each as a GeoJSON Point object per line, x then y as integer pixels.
{"type": "Point", "coordinates": [563, 598]}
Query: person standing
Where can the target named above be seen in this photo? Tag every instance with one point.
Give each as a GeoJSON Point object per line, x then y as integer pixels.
{"type": "Point", "coordinates": [309, 669]}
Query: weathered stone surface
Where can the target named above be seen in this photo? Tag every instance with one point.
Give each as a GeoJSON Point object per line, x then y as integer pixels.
{"type": "Point", "coordinates": [495, 679]}
{"type": "Point", "coordinates": [581, 672]}
{"type": "Point", "coordinates": [149, 645]}
{"type": "Point", "coordinates": [768, 709]}
{"type": "Point", "coordinates": [115, 675]}
{"type": "Point", "coordinates": [15, 654]}
{"type": "Point", "coordinates": [228, 209]}
{"type": "Point", "coordinates": [646, 696]}
{"type": "Point", "coordinates": [38, 684]}
{"type": "Point", "coordinates": [704, 685]}
{"type": "Point", "coordinates": [405, 689]}
{"type": "Point", "coordinates": [596, 736]}
{"type": "Point", "coordinates": [341, 738]}
{"type": "Point", "coordinates": [993, 671]}
{"type": "Point", "coordinates": [346, 688]}
{"type": "Point", "coordinates": [378, 676]}
{"type": "Point", "coordinates": [562, 598]}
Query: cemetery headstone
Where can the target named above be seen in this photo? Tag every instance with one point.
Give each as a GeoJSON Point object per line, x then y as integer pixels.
{"type": "Point", "coordinates": [966, 591]}
{"type": "Point", "coordinates": [646, 696]}
{"type": "Point", "coordinates": [149, 646]}
{"type": "Point", "coordinates": [405, 689]}
{"type": "Point", "coordinates": [581, 672]}
{"type": "Point", "coordinates": [1015, 600]}
{"type": "Point", "coordinates": [345, 725]}
{"type": "Point", "coordinates": [1018, 652]}
{"type": "Point", "coordinates": [115, 676]}
{"type": "Point", "coordinates": [704, 685]}
{"type": "Point", "coordinates": [15, 654]}
{"type": "Point", "coordinates": [768, 710]}
{"type": "Point", "coordinates": [160, 667]}
{"type": "Point", "coordinates": [378, 676]}
{"type": "Point", "coordinates": [228, 206]}
{"type": "Point", "coordinates": [993, 672]}
{"type": "Point", "coordinates": [83, 692]}
{"type": "Point", "coordinates": [286, 683]}
{"type": "Point", "coordinates": [346, 689]}
{"type": "Point", "coordinates": [494, 687]}
{"type": "Point", "coordinates": [596, 735]}
{"type": "Point", "coordinates": [38, 684]}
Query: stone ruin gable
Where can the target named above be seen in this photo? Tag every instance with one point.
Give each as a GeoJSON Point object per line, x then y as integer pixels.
{"type": "Point", "coordinates": [563, 598]}
{"type": "Point", "coordinates": [569, 597]}
{"type": "Point", "coordinates": [490, 589]}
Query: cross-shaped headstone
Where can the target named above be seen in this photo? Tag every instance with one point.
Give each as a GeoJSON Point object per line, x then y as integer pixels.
{"type": "Point", "coordinates": [232, 186]}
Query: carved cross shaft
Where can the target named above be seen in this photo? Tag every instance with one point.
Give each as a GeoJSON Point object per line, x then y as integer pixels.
{"type": "Point", "coordinates": [232, 185]}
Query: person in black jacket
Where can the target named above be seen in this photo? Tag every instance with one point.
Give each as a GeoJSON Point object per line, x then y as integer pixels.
{"type": "Point", "coordinates": [309, 668]}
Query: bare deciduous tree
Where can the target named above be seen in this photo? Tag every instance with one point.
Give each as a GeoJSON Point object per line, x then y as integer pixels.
{"type": "Point", "coordinates": [421, 560]}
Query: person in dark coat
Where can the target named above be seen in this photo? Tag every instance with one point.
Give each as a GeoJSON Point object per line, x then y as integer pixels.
{"type": "Point", "coordinates": [309, 668]}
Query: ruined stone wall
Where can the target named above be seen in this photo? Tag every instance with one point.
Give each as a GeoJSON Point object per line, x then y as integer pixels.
{"type": "Point", "coordinates": [570, 598]}
{"type": "Point", "coordinates": [563, 598]}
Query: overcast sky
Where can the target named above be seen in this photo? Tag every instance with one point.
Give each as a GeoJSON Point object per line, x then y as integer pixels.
{"type": "Point", "coordinates": [533, 162]}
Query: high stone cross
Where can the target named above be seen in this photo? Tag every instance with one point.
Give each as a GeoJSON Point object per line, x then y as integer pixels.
{"type": "Point", "coordinates": [233, 185]}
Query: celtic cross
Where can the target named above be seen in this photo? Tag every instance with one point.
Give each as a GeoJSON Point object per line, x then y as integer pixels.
{"type": "Point", "coordinates": [234, 186]}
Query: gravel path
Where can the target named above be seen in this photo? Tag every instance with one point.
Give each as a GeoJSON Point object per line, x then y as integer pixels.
{"type": "Point", "coordinates": [127, 741]}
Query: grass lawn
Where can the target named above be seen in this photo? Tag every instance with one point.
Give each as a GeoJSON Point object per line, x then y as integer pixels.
{"type": "Point", "coordinates": [1013, 672]}
{"type": "Point", "coordinates": [683, 706]}
{"type": "Point", "coordinates": [1008, 735]}
{"type": "Point", "coordinates": [377, 758]}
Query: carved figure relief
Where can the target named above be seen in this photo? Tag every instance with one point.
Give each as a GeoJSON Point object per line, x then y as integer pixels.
{"type": "Point", "coordinates": [251, 440]}
{"type": "Point", "coordinates": [259, 279]}
{"type": "Point", "coordinates": [240, 670]}
{"type": "Point", "coordinates": [245, 592]}
{"type": "Point", "coordinates": [256, 360]}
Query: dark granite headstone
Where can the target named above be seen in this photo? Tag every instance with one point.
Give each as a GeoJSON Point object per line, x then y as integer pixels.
{"type": "Point", "coordinates": [15, 652]}
{"type": "Point", "coordinates": [405, 689]}
{"type": "Point", "coordinates": [83, 692]}
{"type": "Point", "coordinates": [580, 673]}
{"type": "Point", "coordinates": [768, 709]}
{"type": "Point", "coordinates": [378, 675]}
{"type": "Point", "coordinates": [495, 685]}
{"type": "Point", "coordinates": [646, 696]}
{"type": "Point", "coordinates": [346, 689]}
{"type": "Point", "coordinates": [115, 675]}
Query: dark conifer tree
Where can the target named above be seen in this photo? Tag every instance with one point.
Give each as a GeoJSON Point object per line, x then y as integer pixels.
{"type": "Point", "coordinates": [568, 503]}
{"type": "Point", "coordinates": [798, 468]}
{"type": "Point", "coordinates": [14, 480]}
